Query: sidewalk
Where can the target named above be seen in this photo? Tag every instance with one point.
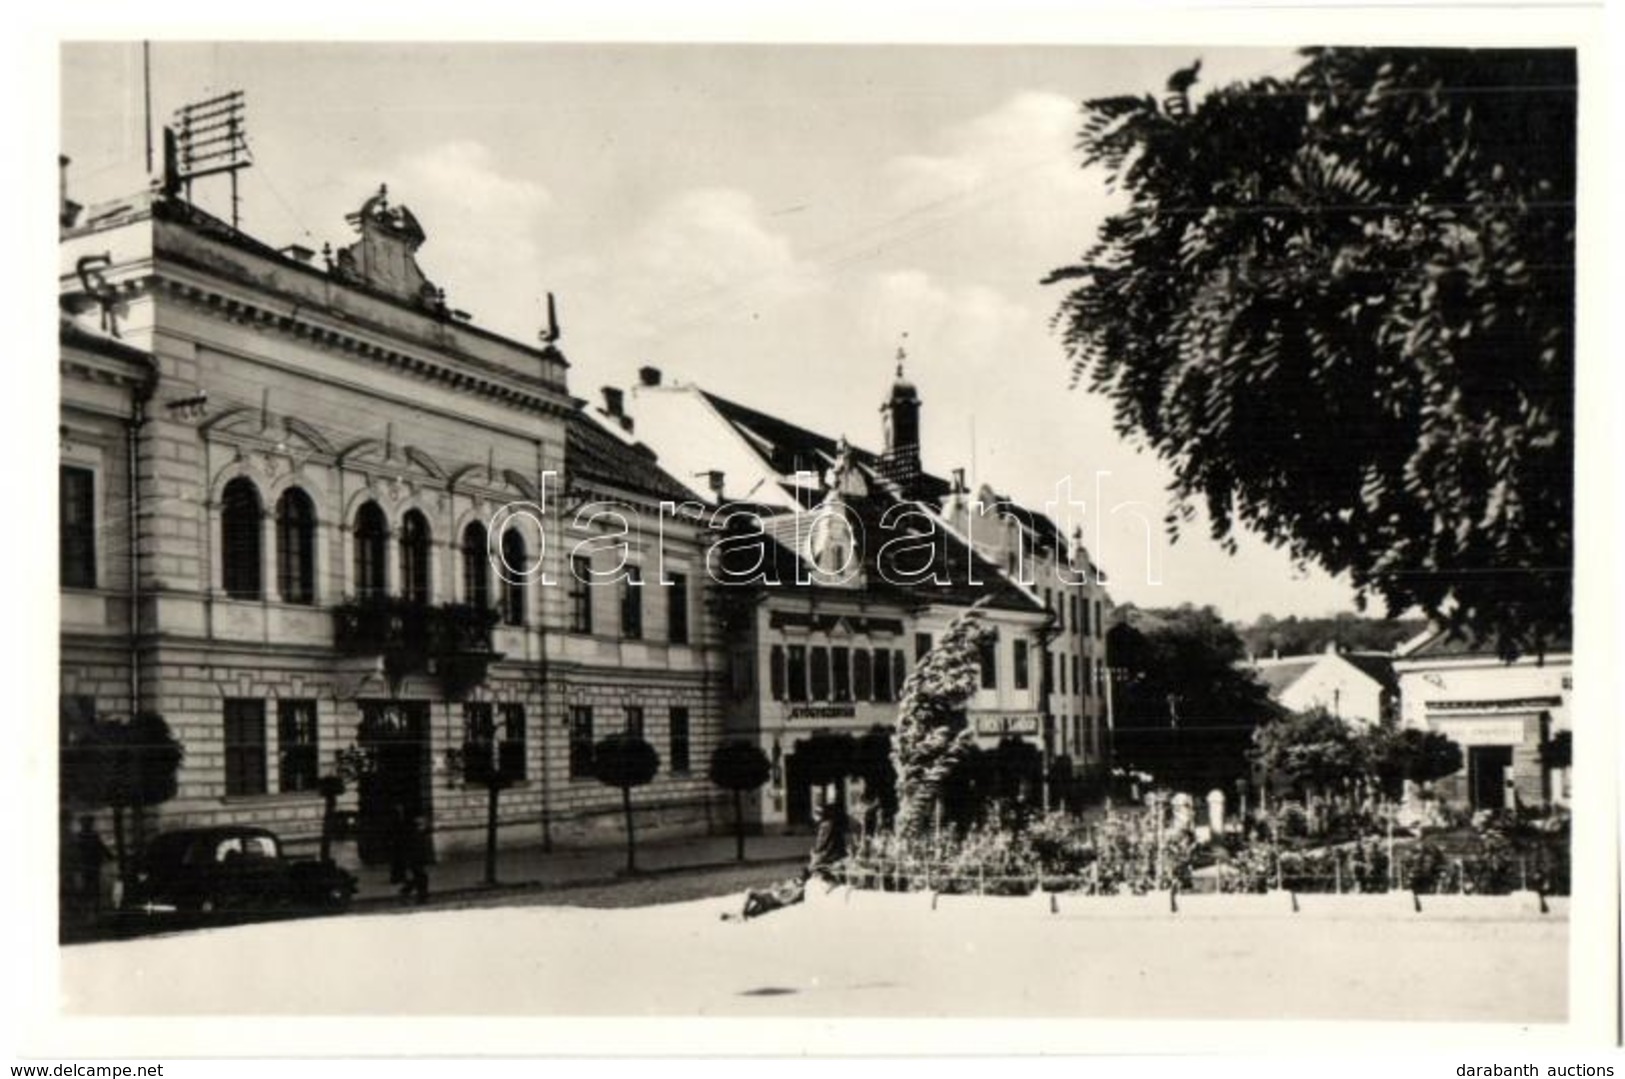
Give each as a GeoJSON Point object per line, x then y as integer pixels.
{"type": "Point", "coordinates": [530, 868]}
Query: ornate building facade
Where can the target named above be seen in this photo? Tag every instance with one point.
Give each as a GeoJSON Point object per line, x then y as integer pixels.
{"type": "Point", "coordinates": [287, 509]}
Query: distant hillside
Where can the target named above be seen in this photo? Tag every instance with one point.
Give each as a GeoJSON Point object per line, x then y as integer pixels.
{"type": "Point", "coordinates": [1352, 633]}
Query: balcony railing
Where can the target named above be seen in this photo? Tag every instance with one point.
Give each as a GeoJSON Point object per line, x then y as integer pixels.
{"type": "Point", "coordinates": [452, 640]}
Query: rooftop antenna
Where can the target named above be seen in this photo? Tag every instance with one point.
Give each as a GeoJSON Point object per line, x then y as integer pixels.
{"type": "Point", "coordinates": [210, 138]}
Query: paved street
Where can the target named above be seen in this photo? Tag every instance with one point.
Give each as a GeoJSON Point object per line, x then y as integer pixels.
{"type": "Point", "coordinates": [832, 959]}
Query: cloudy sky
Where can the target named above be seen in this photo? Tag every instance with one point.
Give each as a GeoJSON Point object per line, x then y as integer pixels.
{"type": "Point", "coordinates": [767, 221]}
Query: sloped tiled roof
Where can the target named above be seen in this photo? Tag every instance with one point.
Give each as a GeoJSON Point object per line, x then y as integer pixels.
{"type": "Point", "coordinates": [1278, 677]}
{"type": "Point", "coordinates": [789, 448]}
{"type": "Point", "coordinates": [1438, 643]}
{"type": "Point", "coordinates": [968, 576]}
{"type": "Point", "coordinates": [596, 456]}
{"type": "Point", "coordinates": [1377, 666]}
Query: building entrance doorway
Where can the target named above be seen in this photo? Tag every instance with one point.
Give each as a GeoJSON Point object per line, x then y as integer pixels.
{"type": "Point", "coordinates": [1486, 775]}
{"type": "Point", "coordinates": [394, 735]}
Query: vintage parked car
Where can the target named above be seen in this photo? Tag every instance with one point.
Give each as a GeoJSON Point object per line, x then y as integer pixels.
{"type": "Point", "coordinates": [236, 870]}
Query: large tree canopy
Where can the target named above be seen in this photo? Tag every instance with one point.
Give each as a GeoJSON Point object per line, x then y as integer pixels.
{"type": "Point", "coordinates": [1340, 305]}
{"type": "Point", "coordinates": [1184, 708]}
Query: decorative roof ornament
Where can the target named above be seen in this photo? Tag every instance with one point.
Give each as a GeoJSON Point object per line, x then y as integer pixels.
{"type": "Point", "coordinates": [551, 332]}
{"type": "Point", "coordinates": [383, 259]}
{"type": "Point", "coordinates": [902, 387]}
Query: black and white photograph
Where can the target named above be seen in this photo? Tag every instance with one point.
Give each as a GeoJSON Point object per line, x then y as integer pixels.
{"type": "Point", "coordinates": [791, 530]}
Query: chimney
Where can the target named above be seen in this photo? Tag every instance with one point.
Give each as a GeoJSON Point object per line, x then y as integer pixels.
{"type": "Point", "coordinates": [959, 481]}
{"type": "Point", "coordinates": [67, 209]}
{"type": "Point", "coordinates": [298, 253]}
{"type": "Point", "coordinates": [614, 401]}
{"type": "Point", "coordinates": [713, 480]}
{"type": "Point", "coordinates": [649, 376]}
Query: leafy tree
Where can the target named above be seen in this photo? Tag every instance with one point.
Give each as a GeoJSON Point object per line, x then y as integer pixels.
{"type": "Point", "coordinates": [932, 737]}
{"type": "Point", "coordinates": [1393, 754]}
{"type": "Point", "coordinates": [1294, 636]}
{"type": "Point", "coordinates": [1340, 305]}
{"type": "Point", "coordinates": [872, 763]}
{"type": "Point", "coordinates": [1064, 792]}
{"type": "Point", "coordinates": [1559, 752]}
{"type": "Point", "coordinates": [739, 766]}
{"type": "Point", "coordinates": [1182, 708]}
{"type": "Point", "coordinates": [826, 760]}
{"type": "Point", "coordinates": [1310, 752]}
{"type": "Point", "coordinates": [623, 760]}
{"type": "Point", "coordinates": [125, 766]}
{"type": "Point", "coordinates": [480, 762]}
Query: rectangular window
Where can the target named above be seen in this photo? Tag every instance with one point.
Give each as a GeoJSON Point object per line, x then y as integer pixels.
{"type": "Point", "coordinates": [922, 645]}
{"type": "Point", "coordinates": [988, 657]}
{"type": "Point", "coordinates": [1020, 657]}
{"type": "Point", "coordinates": [862, 685]}
{"type": "Point", "coordinates": [296, 746]}
{"type": "Point", "coordinates": [797, 672]}
{"type": "Point", "coordinates": [1062, 666]}
{"type": "Point", "coordinates": [899, 674]}
{"type": "Point", "coordinates": [245, 747]}
{"type": "Point", "coordinates": [1083, 628]}
{"type": "Point", "coordinates": [581, 741]}
{"type": "Point", "coordinates": [77, 519]}
{"type": "Point", "coordinates": [775, 671]}
{"type": "Point", "coordinates": [1077, 624]}
{"type": "Point", "coordinates": [679, 740]}
{"type": "Point", "coordinates": [677, 609]}
{"type": "Point", "coordinates": [479, 741]}
{"type": "Point", "coordinates": [1100, 620]}
{"type": "Point", "coordinates": [1100, 676]}
{"type": "Point", "coordinates": [1077, 678]}
{"type": "Point", "coordinates": [634, 720]}
{"type": "Point", "coordinates": [882, 674]}
{"type": "Point", "coordinates": [580, 595]}
{"type": "Point", "coordinates": [1049, 672]}
{"type": "Point", "coordinates": [820, 673]}
{"type": "Point", "coordinates": [632, 604]}
{"type": "Point", "coordinates": [511, 749]}
{"type": "Point", "coordinates": [841, 661]}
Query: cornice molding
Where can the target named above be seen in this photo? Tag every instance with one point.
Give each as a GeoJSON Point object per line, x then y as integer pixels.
{"type": "Point", "coordinates": [460, 373]}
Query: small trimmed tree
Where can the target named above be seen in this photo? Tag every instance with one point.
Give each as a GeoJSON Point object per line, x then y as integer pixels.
{"type": "Point", "coordinates": [1310, 751]}
{"type": "Point", "coordinates": [932, 737]}
{"type": "Point", "coordinates": [1394, 755]}
{"type": "Point", "coordinates": [624, 761]}
{"type": "Point", "coordinates": [127, 767]}
{"type": "Point", "coordinates": [739, 766]}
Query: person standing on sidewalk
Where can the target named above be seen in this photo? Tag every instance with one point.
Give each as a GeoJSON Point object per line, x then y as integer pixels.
{"type": "Point", "coordinates": [414, 852]}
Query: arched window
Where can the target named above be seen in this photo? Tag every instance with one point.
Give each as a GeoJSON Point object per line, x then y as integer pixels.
{"type": "Point", "coordinates": [514, 561]}
{"type": "Point", "coordinates": [371, 533]}
{"type": "Point", "coordinates": [476, 567]}
{"type": "Point", "coordinates": [296, 547]}
{"type": "Point", "coordinates": [415, 557]}
{"type": "Point", "coordinates": [240, 524]}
